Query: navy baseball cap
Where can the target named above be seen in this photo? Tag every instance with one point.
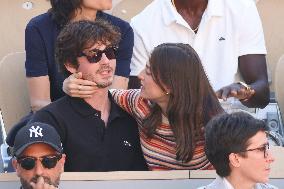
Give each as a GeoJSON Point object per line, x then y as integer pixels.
{"type": "Point", "coordinates": [36, 132]}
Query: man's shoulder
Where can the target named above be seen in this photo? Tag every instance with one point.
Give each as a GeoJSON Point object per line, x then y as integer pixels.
{"type": "Point", "coordinates": [121, 114]}
{"type": "Point", "coordinates": [115, 108]}
{"type": "Point", "coordinates": [54, 113]}
{"type": "Point", "coordinates": [237, 7]}
{"type": "Point", "coordinates": [58, 105]}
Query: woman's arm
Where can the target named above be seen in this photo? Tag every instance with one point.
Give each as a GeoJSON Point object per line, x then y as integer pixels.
{"type": "Point", "coordinates": [123, 58]}
{"type": "Point", "coordinates": [131, 102]}
{"type": "Point", "coordinates": [36, 67]}
{"type": "Point", "coordinates": [39, 92]}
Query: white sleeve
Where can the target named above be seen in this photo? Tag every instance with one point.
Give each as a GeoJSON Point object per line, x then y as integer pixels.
{"type": "Point", "coordinates": [251, 37]}
{"type": "Point", "coordinates": [139, 56]}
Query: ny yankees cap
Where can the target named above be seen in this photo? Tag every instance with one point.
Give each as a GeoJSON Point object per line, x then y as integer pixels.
{"type": "Point", "coordinates": [36, 132]}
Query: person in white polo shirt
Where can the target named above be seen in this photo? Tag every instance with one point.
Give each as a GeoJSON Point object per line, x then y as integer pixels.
{"type": "Point", "coordinates": [226, 34]}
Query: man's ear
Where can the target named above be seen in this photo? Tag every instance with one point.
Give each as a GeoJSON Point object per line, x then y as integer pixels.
{"type": "Point", "coordinates": [62, 162]}
{"type": "Point", "coordinates": [234, 160]}
{"type": "Point", "coordinates": [70, 67]}
{"type": "Point", "coordinates": [15, 165]}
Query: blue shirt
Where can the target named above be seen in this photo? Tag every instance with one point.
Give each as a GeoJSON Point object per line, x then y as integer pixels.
{"type": "Point", "coordinates": [40, 36]}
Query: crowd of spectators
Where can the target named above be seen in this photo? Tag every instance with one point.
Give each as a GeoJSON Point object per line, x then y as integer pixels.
{"type": "Point", "coordinates": [182, 64]}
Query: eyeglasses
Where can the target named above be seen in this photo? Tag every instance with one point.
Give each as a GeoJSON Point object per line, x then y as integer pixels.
{"type": "Point", "coordinates": [263, 149]}
{"type": "Point", "coordinates": [95, 55]}
{"type": "Point", "coordinates": [49, 161]}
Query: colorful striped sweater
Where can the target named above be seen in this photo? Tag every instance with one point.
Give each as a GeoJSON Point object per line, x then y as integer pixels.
{"type": "Point", "coordinates": [159, 150]}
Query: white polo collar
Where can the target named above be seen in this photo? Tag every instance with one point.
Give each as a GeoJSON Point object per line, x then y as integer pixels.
{"type": "Point", "coordinates": [214, 8]}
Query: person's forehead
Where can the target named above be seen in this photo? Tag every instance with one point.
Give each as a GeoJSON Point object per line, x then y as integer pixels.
{"type": "Point", "coordinates": [258, 139]}
{"type": "Point", "coordinates": [98, 45]}
{"type": "Point", "coordinates": [38, 150]}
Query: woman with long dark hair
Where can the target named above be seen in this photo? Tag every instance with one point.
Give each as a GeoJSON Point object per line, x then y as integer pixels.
{"type": "Point", "coordinates": [172, 108]}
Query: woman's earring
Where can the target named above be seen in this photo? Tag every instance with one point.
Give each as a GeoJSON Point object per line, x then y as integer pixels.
{"type": "Point", "coordinates": [167, 93]}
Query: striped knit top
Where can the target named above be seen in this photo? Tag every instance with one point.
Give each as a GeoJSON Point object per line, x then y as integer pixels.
{"type": "Point", "coordinates": [159, 150]}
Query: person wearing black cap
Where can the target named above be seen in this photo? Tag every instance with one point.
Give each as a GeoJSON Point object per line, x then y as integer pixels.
{"type": "Point", "coordinates": [38, 156]}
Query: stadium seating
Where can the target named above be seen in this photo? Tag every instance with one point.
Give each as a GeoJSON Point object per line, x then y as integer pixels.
{"type": "Point", "coordinates": [15, 15]}
{"type": "Point", "coordinates": [182, 179]}
{"type": "Point", "coordinates": [126, 9]}
{"type": "Point", "coordinates": [14, 98]}
{"type": "Point", "coordinates": [271, 13]}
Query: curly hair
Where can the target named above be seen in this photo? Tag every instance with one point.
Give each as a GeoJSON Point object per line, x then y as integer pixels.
{"type": "Point", "coordinates": [77, 36]}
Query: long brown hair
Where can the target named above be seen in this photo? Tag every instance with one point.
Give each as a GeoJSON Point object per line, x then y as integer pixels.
{"type": "Point", "coordinates": [192, 101]}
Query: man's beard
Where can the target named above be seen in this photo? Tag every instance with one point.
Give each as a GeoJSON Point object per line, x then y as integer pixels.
{"type": "Point", "coordinates": [103, 84]}
{"type": "Point", "coordinates": [100, 84]}
{"type": "Point", "coordinates": [26, 184]}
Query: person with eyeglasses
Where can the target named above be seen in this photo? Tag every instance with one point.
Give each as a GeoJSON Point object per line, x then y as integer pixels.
{"type": "Point", "coordinates": [237, 146]}
{"type": "Point", "coordinates": [97, 135]}
{"type": "Point", "coordinates": [38, 156]}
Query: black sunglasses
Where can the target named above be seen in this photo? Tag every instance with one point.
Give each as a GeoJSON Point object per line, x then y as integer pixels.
{"type": "Point", "coordinates": [263, 149]}
{"type": "Point", "coordinates": [95, 55]}
{"type": "Point", "coordinates": [49, 161]}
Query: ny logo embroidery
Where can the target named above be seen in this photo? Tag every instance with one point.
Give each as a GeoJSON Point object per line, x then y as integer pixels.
{"type": "Point", "coordinates": [126, 143]}
{"type": "Point", "coordinates": [36, 131]}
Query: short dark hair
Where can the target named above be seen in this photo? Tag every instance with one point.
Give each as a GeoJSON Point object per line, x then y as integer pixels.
{"type": "Point", "coordinates": [78, 36]}
{"type": "Point", "coordinates": [229, 133]}
{"type": "Point", "coordinates": [62, 10]}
